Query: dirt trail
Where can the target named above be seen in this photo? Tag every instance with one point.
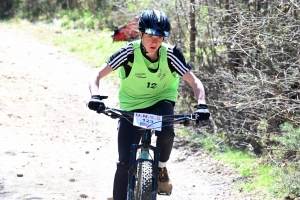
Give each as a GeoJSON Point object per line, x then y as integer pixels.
{"type": "Point", "coordinates": [53, 147]}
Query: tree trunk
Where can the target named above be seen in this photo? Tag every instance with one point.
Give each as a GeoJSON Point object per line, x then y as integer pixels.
{"type": "Point", "coordinates": [73, 4]}
{"type": "Point", "coordinates": [192, 31]}
{"type": "Point", "coordinates": [5, 5]}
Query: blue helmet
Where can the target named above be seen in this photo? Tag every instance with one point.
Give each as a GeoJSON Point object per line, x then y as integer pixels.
{"type": "Point", "coordinates": [154, 22]}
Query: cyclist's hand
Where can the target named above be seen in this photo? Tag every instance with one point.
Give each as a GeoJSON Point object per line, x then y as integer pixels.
{"type": "Point", "coordinates": [201, 113]}
{"type": "Point", "coordinates": [96, 104]}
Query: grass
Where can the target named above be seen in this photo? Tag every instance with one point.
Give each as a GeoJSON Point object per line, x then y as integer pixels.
{"type": "Point", "coordinates": [257, 177]}
{"type": "Point", "coordinates": [92, 46]}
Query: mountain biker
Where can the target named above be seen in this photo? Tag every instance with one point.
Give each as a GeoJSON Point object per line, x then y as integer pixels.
{"type": "Point", "coordinates": [149, 72]}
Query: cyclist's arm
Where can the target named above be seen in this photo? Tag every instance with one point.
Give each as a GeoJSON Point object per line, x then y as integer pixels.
{"type": "Point", "coordinates": [94, 82]}
{"type": "Point", "coordinates": [197, 86]}
{"type": "Point", "coordinates": [116, 60]}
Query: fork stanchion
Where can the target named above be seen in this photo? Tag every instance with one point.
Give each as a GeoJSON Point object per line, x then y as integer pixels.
{"type": "Point", "coordinates": [132, 172]}
{"type": "Point", "coordinates": [156, 152]}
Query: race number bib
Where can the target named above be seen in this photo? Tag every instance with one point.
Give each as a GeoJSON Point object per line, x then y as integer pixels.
{"type": "Point", "coordinates": [149, 121]}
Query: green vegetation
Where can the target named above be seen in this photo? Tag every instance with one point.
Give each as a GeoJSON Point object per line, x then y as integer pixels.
{"type": "Point", "coordinates": [95, 47]}
{"type": "Point", "coordinates": [287, 152]}
{"type": "Point", "coordinates": [92, 46]}
{"type": "Point", "coordinates": [274, 177]}
{"type": "Point", "coordinates": [257, 177]}
{"type": "Point", "coordinates": [79, 19]}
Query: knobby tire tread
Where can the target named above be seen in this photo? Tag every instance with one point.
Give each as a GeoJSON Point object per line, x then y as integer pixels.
{"type": "Point", "coordinates": [143, 187]}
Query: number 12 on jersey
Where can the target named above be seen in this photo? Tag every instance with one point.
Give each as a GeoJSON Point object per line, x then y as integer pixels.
{"type": "Point", "coordinates": [149, 121]}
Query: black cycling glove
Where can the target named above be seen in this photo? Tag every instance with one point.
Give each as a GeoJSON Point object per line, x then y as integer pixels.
{"type": "Point", "coordinates": [96, 103]}
{"type": "Point", "coordinates": [201, 113]}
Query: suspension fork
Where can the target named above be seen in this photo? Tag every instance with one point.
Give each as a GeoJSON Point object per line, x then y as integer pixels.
{"type": "Point", "coordinates": [145, 147]}
{"type": "Point", "coordinates": [156, 152]}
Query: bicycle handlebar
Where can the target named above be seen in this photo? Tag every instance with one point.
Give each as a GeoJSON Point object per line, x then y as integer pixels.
{"type": "Point", "coordinates": [116, 113]}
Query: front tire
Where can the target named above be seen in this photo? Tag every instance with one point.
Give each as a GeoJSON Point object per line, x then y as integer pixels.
{"type": "Point", "coordinates": [143, 186]}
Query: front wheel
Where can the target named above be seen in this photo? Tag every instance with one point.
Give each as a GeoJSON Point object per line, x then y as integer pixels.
{"type": "Point", "coordinates": [143, 184]}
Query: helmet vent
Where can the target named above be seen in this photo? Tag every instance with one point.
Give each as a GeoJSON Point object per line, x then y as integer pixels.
{"type": "Point", "coordinates": [154, 22]}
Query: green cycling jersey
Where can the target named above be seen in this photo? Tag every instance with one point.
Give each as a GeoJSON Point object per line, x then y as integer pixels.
{"type": "Point", "coordinates": [144, 87]}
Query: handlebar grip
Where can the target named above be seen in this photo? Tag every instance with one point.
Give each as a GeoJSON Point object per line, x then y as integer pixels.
{"type": "Point", "coordinates": [101, 109]}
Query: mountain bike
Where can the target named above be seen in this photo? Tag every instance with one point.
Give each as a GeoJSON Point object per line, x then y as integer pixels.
{"type": "Point", "coordinates": [143, 174]}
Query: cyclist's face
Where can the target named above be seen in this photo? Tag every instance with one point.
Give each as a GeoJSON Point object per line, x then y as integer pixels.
{"type": "Point", "coordinates": [152, 42]}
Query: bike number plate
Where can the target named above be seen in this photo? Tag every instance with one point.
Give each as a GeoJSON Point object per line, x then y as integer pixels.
{"type": "Point", "coordinates": [149, 121]}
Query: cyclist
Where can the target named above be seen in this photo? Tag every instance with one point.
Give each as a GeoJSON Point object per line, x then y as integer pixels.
{"type": "Point", "coordinates": [149, 72]}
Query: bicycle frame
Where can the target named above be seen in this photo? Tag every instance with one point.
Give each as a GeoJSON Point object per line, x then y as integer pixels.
{"type": "Point", "coordinates": [145, 146]}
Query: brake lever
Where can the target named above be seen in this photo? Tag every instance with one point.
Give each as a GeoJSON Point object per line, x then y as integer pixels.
{"type": "Point", "coordinates": [114, 115]}
{"type": "Point", "coordinates": [103, 97]}
{"type": "Point", "coordinates": [111, 113]}
{"type": "Point", "coordinates": [186, 122]}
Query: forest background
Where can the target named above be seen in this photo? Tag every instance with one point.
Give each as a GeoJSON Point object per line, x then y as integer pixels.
{"type": "Point", "coordinates": [246, 53]}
